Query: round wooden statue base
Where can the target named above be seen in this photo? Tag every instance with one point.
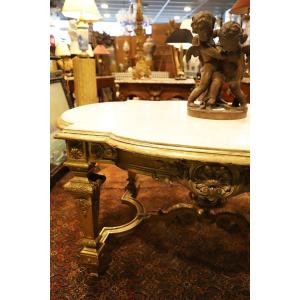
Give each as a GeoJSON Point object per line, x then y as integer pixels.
{"type": "Point", "coordinates": [218, 113]}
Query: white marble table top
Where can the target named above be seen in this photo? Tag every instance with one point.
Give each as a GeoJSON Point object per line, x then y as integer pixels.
{"type": "Point", "coordinates": [160, 124]}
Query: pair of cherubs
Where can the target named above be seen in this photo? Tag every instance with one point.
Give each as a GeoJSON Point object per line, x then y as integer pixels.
{"type": "Point", "coordinates": [222, 63]}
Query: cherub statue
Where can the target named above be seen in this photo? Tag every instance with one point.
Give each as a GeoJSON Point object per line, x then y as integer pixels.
{"type": "Point", "coordinates": [231, 38]}
{"type": "Point", "coordinates": [221, 63]}
{"type": "Point", "coordinates": [204, 47]}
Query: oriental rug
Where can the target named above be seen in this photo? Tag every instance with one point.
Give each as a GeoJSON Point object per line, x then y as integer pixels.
{"type": "Point", "coordinates": [161, 259]}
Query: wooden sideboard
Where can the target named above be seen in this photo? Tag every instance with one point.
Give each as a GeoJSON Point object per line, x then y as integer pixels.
{"type": "Point", "coordinates": [167, 89]}
{"type": "Point", "coordinates": [154, 88]}
{"type": "Point", "coordinates": [151, 89]}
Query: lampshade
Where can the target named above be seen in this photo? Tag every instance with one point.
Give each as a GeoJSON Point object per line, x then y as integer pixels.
{"type": "Point", "coordinates": [180, 37]}
{"type": "Point", "coordinates": [101, 50]}
{"type": "Point", "coordinates": [81, 9]}
{"type": "Point", "coordinates": [240, 7]}
{"type": "Point", "coordinates": [187, 24]}
{"type": "Point", "coordinates": [62, 49]}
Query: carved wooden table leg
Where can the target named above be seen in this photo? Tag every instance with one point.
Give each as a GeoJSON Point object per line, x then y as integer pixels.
{"type": "Point", "coordinates": [85, 187]}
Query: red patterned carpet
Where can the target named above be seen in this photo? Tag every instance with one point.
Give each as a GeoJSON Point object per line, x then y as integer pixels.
{"type": "Point", "coordinates": [161, 259]}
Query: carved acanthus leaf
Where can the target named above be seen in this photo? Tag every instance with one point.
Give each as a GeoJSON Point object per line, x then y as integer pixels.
{"type": "Point", "coordinates": [84, 206]}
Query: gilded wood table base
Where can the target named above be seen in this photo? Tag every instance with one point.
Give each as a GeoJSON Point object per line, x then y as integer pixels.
{"type": "Point", "coordinates": [211, 185]}
{"type": "Point", "coordinates": [86, 191]}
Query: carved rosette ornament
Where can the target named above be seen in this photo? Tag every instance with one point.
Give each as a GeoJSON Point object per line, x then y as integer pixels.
{"type": "Point", "coordinates": [212, 184]}
{"type": "Point", "coordinates": [76, 150]}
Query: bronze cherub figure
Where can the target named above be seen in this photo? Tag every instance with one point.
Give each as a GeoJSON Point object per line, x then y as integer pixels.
{"type": "Point", "coordinates": [221, 63]}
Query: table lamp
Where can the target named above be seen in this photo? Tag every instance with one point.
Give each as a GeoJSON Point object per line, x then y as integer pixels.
{"type": "Point", "coordinates": [242, 7]}
{"type": "Point", "coordinates": [84, 11]}
{"type": "Point", "coordinates": [181, 39]}
{"type": "Point", "coordinates": [99, 51]}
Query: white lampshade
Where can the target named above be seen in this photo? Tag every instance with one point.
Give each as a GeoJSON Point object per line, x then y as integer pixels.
{"type": "Point", "coordinates": [81, 9]}
{"type": "Point", "coordinates": [62, 49]}
{"type": "Point", "coordinates": [187, 24]}
{"type": "Point", "coordinates": [184, 46]}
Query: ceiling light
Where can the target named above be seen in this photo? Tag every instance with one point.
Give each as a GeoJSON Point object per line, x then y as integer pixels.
{"type": "Point", "coordinates": [104, 5]}
{"type": "Point", "coordinates": [176, 18]}
{"type": "Point", "coordinates": [106, 15]}
{"type": "Point", "coordinates": [187, 8]}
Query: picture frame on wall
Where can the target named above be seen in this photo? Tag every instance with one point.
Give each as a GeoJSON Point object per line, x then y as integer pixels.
{"type": "Point", "coordinates": [59, 102]}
